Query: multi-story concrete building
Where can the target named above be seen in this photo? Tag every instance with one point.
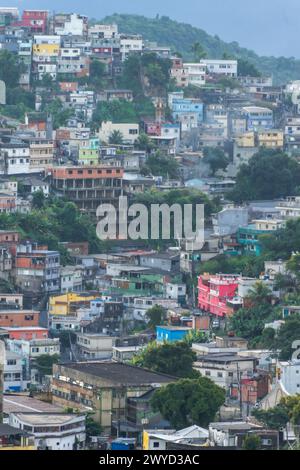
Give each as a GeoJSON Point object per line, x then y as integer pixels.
{"type": "Point", "coordinates": [104, 387]}
{"type": "Point", "coordinates": [37, 271]}
{"type": "Point", "coordinates": [290, 207]}
{"type": "Point", "coordinates": [103, 31]}
{"type": "Point", "coordinates": [16, 317]}
{"type": "Point", "coordinates": [15, 379]}
{"type": "Point", "coordinates": [130, 43]}
{"type": "Point", "coordinates": [52, 431]}
{"type": "Point", "coordinates": [35, 20]}
{"type": "Point", "coordinates": [70, 24]}
{"type": "Point", "coordinates": [221, 67]}
{"type": "Point", "coordinates": [88, 186]}
{"type": "Point", "coordinates": [225, 369]}
{"type": "Point", "coordinates": [271, 139]}
{"type": "Point", "coordinates": [14, 158]}
{"type": "Point", "coordinates": [95, 346]}
{"type": "Point", "coordinates": [129, 132]}
{"type": "Point", "coordinates": [214, 292]}
{"type": "Point", "coordinates": [258, 118]}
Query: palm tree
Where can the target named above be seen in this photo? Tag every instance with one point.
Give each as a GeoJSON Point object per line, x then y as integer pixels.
{"type": "Point", "coordinates": [198, 51]}
{"type": "Point", "coordinates": [116, 138]}
{"type": "Point", "coordinates": [260, 294]}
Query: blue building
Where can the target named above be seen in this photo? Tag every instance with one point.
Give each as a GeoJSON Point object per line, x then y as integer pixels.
{"type": "Point", "coordinates": [249, 237]}
{"type": "Point", "coordinates": [171, 334]}
{"type": "Point", "coordinates": [180, 107]}
{"type": "Point", "coordinates": [258, 118]}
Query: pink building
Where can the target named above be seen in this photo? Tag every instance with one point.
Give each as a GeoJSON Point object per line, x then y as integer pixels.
{"type": "Point", "coordinates": [216, 292]}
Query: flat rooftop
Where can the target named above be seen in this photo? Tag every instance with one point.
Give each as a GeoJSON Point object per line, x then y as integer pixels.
{"type": "Point", "coordinates": [120, 373]}
{"type": "Point", "coordinates": [47, 419]}
{"type": "Point", "coordinates": [22, 403]}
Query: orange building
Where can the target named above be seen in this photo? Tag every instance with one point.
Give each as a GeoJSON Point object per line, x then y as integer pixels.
{"type": "Point", "coordinates": [89, 186]}
{"type": "Point", "coordinates": [18, 318]}
{"type": "Point", "coordinates": [27, 333]}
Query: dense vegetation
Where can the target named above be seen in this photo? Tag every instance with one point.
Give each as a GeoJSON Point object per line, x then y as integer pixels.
{"type": "Point", "coordinates": [189, 401]}
{"type": "Point", "coordinates": [51, 222]}
{"type": "Point", "coordinates": [174, 359]}
{"type": "Point", "coordinates": [18, 100]}
{"type": "Point", "coordinates": [181, 37]}
{"type": "Point", "coordinates": [270, 174]}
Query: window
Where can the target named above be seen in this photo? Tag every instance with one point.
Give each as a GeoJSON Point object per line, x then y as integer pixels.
{"type": "Point", "coordinates": [156, 445]}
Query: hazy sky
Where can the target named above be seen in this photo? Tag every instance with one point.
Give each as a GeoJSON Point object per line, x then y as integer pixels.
{"type": "Point", "coordinates": [267, 26]}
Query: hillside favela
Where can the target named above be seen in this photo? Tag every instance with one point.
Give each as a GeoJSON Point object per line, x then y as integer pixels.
{"type": "Point", "coordinates": [120, 330]}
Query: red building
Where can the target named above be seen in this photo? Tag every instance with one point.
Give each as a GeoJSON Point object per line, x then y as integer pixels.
{"type": "Point", "coordinates": [27, 333]}
{"type": "Point", "coordinates": [35, 20]}
{"type": "Point", "coordinates": [216, 292]}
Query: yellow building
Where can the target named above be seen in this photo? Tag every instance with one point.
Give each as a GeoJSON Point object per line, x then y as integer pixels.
{"type": "Point", "coordinates": [67, 304]}
{"type": "Point", "coordinates": [51, 50]}
{"type": "Point", "coordinates": [271, 139]}
{"type": "Point", "coordinates": [246, 140]}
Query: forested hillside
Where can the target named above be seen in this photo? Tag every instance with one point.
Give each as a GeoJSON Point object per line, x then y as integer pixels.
{"type": "Point", "coordinates": [181, 37]}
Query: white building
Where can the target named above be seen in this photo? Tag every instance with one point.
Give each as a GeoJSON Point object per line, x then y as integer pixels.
{"type": "Point", "coordinates": [223, 369]}
{"type": "Point", "coordinates": [16, 158]}
{"type": "Point", "coordinates": [34, 348]}
{"type": "Point", "coordinates": [95, 346]}
{"type": "Point", "coordinates": [143, 304]}
{"type": "Point", "coordinates": [47, 39]}
{"type": "Point", "coordinates": [130, 132]}
{"type": "Point", "coordinates": [290, 208]}
{"type": "Point", "coordinates": [158, 439]}
{"type": "Point", "coordinates": [47, 69]}
{"type": "Point", "coordinates": [125, 353]}
{"type": "Point", "coordinates": [103, 31]}
{"type": "Point", "coordinates": [195, 73]}
{"type": "Point", "coordinates": [71, 279]}
{"type": "Point", "coordinates": [129, 44]}
{"type": "Point", "coordinates": [221, 67]}
{"type": "Point", "coordinates": [290, 377]}
{"type": "Point", "coordinates": [52, 431]}
{"type": "Point", "coordinates": [175, 292]}
{"type": "Point", "coordinates": [14, 381]}
{"type": "Point", "coordinates": [72, 24]}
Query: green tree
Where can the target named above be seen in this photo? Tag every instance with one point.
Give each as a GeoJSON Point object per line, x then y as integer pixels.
{"type": "Point", "coordinates": [274, 418]}
{"type": "Point", "coordinates": [38, 200]}
{"type": "Point", "coordinates": [156, 315]}
{"type": "Point", "coordinates": [270, 174]}
{"type": "Point", "coordinates": [188, 402]}
{"type": "Point", "coordinates": [198, 52]}
{"type": "Point", "coordinates": [116, 138]}
{"type": "Point", "coordinates": [161, 165]}
{"type": "Point", "coordinates": [174, 359]}
{"type": "Point", "coordinates": [249, 323]}
{"type": "Point", "coordinates": [215, 158]}
{"type": "Point", "coordinates": [92, 427]}
{"type": "Point", "coordinates": [45, 363]}
{"type": "Point", "coordinates": [97, 73]}
{"type": "Point", "coordinates": [10, 69]}
{"type": "Point", "coordinates": [260, 294]}
{"type": "Point", "coordinates": [252, 442]}
{"type": "Point", "coordinates": [246, 68]}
